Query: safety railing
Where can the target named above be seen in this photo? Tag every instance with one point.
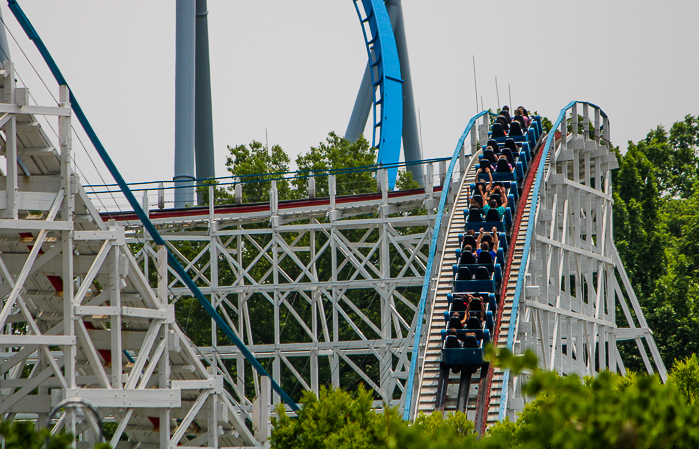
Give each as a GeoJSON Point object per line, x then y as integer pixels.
{"type": "Point", "coordinates": [458, 164]}
{"type": "Point", "coordinates": [599, 131]}
{"type": "Point", "coordinates": [257, 188]}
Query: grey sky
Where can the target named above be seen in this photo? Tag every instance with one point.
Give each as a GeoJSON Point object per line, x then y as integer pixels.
{"type": "Point", "coordinates": [294, 67]}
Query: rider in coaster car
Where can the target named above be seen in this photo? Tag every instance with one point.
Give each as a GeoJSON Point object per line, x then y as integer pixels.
{"type": "Point", "coordinates": [492, 204]}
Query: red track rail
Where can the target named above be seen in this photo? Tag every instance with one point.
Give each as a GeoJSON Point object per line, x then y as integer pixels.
{"type": "Point", "coordinates": [259, 207]}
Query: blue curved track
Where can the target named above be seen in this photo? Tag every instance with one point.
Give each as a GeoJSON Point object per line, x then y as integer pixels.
{"type": "Point", "coordinates": [386, 81]}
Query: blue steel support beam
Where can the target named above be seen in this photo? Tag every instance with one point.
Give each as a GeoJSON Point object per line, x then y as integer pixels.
{"type": "Point", "coordinates": [389, 83]}
{"type": "Point", "coordinates": [174, 264]}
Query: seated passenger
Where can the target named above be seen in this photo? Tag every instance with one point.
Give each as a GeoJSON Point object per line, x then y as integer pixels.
{"type": "Point", "coordinates": [475, 215]}
{"type": "Point", "coordinates": [492, 240]}
{"type": "Point", "coordinates": [510, 143]}
{"type": "Point", "coordinates": [516, 129]}
{"type": "Point", "coordinates": [494, 145]}
{"type": "Point", "coordinates": [500, 191]}
{"type": "Point", "coordinates": [489, 154]}
{"type": "Point", "coordinates": [458, 305]}
{"type": "Point", "coordinates": [508, 155]}
{"type": "Point", "coordinates": [506, 113]}
{"type": "Point", "coordinates": [518, 117]}
{"type": "Point", "coordinates": [467, 256]}
{"type": "Point", "coordinates": [503, 166]}
{"type": "Point", "coordinates": [525, 114]}
{"type": "Point", "coordinates": [498, 131]}
{"type": "Point", "coordinates": [504, 122]}
{"type": "Point", "coordinates": [455, 322]}
{"type": "Point", "coordinates": [470, 341]}
{"type": "Point", "coordinates": [485, 168]}
{"type": "Point", "coordinates": [494, 205]}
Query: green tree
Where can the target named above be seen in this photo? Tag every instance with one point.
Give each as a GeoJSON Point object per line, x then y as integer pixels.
{"type": "Point", "coordinates": [23, 435]}
{"type": "Point", "coordinates": [257, 165]}
{"type": "Point", "coordinates": [338, 153]}
{"type": "Point", "coordinates": [656, 212]}
{"type": "Point", "coordinates": [685, 378]}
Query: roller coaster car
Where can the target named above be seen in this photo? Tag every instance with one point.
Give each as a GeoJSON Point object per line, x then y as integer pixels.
{"type": "Point", "coordinates": [517, 175]}
{"type": "Point", "coordinates": [464, 350]}
{"type": "Point", "coordinates": [454, 299]}
{"type": "Point", "coordinates": [511, 152]}
{"type": "Point", "coordinates": [475, 220]}
{"type": "Point", "coordinates": [466, 258]}
{"type": "Point", "coordinates": [474, 267]}
{"type": "Point", "coordinates": [516, 133]}
{"type": "Point", "coordinates": [508, 186]}
{"type": "Point", "coordinates": [478, 316]}
{"type": "Point", "coordinates": [470, 240]}
{"type": "Point", "coordinates": [464, 281]}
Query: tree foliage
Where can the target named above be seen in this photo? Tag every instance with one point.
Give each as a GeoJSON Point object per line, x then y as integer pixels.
{"type": "Point", "coordinates": [656, 211]}
{"type": "Point", "coordinates": [632, 411]}
{"type": "Point", "coordinates": [23, 435]}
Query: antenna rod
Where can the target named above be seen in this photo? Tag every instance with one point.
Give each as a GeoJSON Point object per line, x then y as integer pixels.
{"type": "Point", "coordinates": [419, 120]}
{"type": "Point", "coordinates": [475, 83]}
{"type": "Point", "coordinates": [497, 91]}
{"type": "Point", "coordinates": [510, 90]}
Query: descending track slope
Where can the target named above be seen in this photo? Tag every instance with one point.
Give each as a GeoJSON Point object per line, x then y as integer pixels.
{"type": "Point", "coordinates": [476, 393]}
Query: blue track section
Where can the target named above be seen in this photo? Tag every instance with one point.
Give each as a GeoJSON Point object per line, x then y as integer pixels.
{"type": "Point", "coordinates": [428, 270]}
{"type": "Point", "coordinates": [386, 78]}
{"type": "Point", "coordinates": [174, 264]}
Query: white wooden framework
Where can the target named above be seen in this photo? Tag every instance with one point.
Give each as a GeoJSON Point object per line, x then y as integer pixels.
{"type": "Point", "coordinates": [577, 301]}
{"type": "Point", "coordinates": [322, 293]}
{"type": "Point", "coordinates": [79, 318]}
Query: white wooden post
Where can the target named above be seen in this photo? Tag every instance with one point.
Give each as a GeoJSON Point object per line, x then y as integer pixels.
{"type": "Point", "coordinates": [442, 172]}
{"type": "Point", "coordinates": [238, 191]}
{"type": "Point", "coordinates": [311, 186]}
{"type": "Point", "coordinates": [161, 196]}
{"type": "Point", "coordinates": [429, 180]}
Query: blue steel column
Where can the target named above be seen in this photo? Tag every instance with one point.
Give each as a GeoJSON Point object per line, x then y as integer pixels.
{"type": "Point", "coordinates": [361, 109]}
{"type": "Point", "coordinates": [203, 126]}
{"type": "Point", "coordinates": [184, 102]}
{"type": "Point", "coordinates": [362, 105]}
{"type": "Point", "coordinates": [411, 139]}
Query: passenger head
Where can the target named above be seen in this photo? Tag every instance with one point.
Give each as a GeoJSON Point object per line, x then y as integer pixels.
{"type": "Point", "coordinates": [493, 203]}
{"type": "Point", "coordinates": [506, 108]}
{"type": "Point", "coordinates": [468, 249]}
{"type": "Point", "coordinates": [518, 112]}
{"type": "Point", "coordinates": [485, 246]}
{"type": "Point", "coordinates": [490, 149]}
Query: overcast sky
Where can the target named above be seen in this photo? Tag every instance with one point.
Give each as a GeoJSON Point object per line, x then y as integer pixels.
{"type": "Point", "coordinates": [293, 67]}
